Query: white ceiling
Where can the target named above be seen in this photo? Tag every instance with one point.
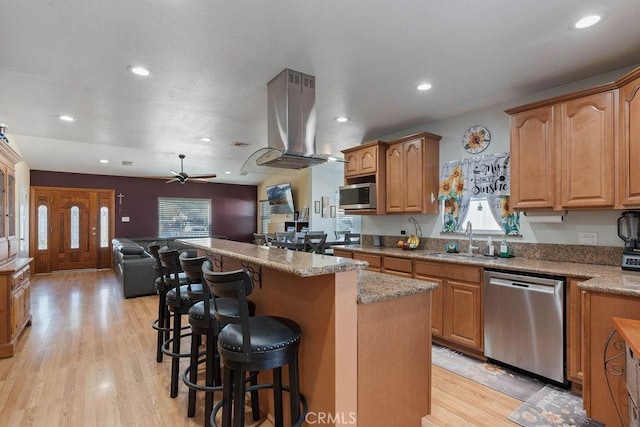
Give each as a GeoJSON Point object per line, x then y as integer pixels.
{"type": "Point", "coordinates": [211, 61]}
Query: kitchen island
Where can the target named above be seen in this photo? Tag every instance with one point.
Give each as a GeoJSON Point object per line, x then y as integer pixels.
{"type": "Point", "coordinates": [365, 354]}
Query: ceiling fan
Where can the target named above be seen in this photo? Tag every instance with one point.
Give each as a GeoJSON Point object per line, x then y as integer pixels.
{"type": "Point", "coordinates": [183, 177]}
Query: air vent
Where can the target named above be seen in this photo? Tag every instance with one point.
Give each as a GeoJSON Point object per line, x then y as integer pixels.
{"type": "Point", "coordinates": [127, 163]}
{"type": "Point", "coordinates": [240, 144]}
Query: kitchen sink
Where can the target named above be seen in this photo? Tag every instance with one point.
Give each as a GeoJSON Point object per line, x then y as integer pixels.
{"type": "Point", "coordinates": [453, 255]}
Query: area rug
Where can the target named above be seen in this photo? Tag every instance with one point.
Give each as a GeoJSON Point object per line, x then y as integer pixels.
{"type": "Point", "coordinates": [496, 377]}
{"type": "Point", "coordinates": [552, 406]}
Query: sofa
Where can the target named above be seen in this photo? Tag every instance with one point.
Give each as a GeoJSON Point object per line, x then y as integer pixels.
{"type": "Point", "coordinates": [133, 264]}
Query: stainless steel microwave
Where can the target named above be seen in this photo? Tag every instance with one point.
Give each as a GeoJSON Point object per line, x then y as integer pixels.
{"type": "Point", "coordinates": [358, 196]}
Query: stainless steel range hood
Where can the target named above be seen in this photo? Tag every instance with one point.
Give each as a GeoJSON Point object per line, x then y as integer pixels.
{"type": "Point", "coordinates": [291, 117]}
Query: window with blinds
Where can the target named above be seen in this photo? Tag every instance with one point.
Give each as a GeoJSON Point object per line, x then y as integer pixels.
{"type": "Point", "coordinates": [346, 222]}
{"type": "Point", "coordinates": [264, 216]}
{"type": "Point", "coordinates": [184, 217]}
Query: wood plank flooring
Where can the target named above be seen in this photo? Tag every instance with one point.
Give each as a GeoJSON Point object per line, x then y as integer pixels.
{"type": "Point", "coordinates": [89, 360]}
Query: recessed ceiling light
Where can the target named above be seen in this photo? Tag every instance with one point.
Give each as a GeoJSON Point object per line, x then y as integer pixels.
{"type": "Point", "coordinates": [140, 71]}
{"type": "Point", "coordinates": [205, 139]}
{"type": "Point", "coordinates": [104, 161]}
{"type": "Point", "coordinates": [227, 172]}
{"type": "Point", "coordinates": [342, 119]}
{"type": "Point", "coordinates": [424, 86]}
{"type": "Point", "coordinates": [587, 21]}
{"type": "Point", "coordinates": [66, 118]}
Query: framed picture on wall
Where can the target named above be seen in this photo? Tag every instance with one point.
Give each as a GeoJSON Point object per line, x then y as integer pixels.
{"type": "Point", "coordinates": [325, 207]}
{"type": "Point", "coordinates": [316, 206]}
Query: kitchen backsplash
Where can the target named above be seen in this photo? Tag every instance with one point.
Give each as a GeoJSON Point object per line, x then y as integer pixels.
{"type": "Point", "coordinates": [605, 255]}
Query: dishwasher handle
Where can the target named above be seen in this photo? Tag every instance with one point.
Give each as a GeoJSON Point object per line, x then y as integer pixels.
{"type": "Point", "coordinates": [532, 287]}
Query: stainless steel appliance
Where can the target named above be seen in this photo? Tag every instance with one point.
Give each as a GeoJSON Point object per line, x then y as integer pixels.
{"type": "Point", "coordinates": [524, 322]}
{"type": "Point", "coordinates": [358, 196]}
{"type": "Point", "coordinates": [629, 231]}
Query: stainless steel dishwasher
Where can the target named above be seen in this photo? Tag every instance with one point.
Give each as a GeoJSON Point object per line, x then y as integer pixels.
{"type": "Point", "coordinates": [524, 322]}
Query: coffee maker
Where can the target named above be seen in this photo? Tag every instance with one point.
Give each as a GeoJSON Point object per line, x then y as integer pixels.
{"type": "Point", "coordinates": [629, 231]}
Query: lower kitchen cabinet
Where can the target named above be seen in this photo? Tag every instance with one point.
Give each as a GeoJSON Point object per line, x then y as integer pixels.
{"type": "Point", "coordinates": [342, 253]}
{"type": "Point", "coordinates": [575, 330]}
{"type": "Point", "coordinates": [398, 266]}
{"type": "Point", "coordinates": [604, 391]}
{"type": "Point", "coordinates": [461, 301]}
{"type": "Point", "coordinates": [375, 261]}
{"type": "Point", "coordinates": [15, 303]}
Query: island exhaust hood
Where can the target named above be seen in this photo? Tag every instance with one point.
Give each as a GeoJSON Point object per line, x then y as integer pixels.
{"type": "Point", "coordinates": [291, 117]}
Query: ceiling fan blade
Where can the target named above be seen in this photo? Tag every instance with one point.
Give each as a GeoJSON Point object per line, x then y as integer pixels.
{"type": "Point", "coordinates": [172, 180]}
{"type": "Point", "coordinates": [199, 180]}
{"type": "Point", "coordinates": [213, 175]}
{"type": "Point", "coordinates": [175, 173]}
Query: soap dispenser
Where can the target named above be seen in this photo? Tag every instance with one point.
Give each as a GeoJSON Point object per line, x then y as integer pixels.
{"type": "Point", "coordinates": [488, 250]}
{"type": "Point", "coordinates": [504, 248]}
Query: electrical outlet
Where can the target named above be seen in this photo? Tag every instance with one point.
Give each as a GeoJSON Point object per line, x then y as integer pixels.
{"type": "Point", "coordinates": [403, 232]}
{"type": "Point", "coordinates": [588, 238]}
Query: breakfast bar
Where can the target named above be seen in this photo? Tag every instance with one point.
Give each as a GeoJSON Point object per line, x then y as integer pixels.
{"type": "Point", "coordinates": [365, 354]}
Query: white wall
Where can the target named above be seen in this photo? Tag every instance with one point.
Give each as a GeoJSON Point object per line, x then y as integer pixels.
{"type": "Point", "coordinates": [325, 180]}
{"type": "Point", "coordinates": [497, 121]}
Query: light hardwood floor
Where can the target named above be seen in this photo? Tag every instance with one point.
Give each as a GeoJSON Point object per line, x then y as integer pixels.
{"type": "Point", "coordinates": [89, 360]}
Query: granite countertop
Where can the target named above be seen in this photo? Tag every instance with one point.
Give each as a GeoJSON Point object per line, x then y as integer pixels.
{"type": "Point", "coordinates": [375, 287]}
{"type": "Point", "coordinates": [372, 287]}
{"type": "Point", "coordinates": [301, 264]}
{"type": "Point", "coordinates": [598, 278]}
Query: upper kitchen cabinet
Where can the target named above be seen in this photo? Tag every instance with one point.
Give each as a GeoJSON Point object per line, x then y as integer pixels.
{"type": "Point", "coordinates": [588, 151]}
{"type": "Point", "coordinates": [533, 159]}
{"type": "Point", "coordinates": [366, 164]}
{"type": "Point", "coordinates": [412, 174]}
{"type": "Point", "coordinates": [629, 177]}
{"type": "Point", "coordinates": [362, 160]}
{"type": "Point", "coordinates": [562, 151]}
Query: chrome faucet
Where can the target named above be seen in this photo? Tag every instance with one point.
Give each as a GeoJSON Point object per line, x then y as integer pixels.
{"type": "Point", "coordinates": [470, 233]}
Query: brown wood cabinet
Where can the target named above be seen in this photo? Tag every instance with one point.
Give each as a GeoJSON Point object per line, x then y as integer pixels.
{"type": "Point", "coordinates": [563, 152]}
{"type": "Point", "coordinates": [342, 253]}
{"type": "Point", "coordinates": [462, 303]}
{"type": "Point", "coordinates": [575, 331]}
{"type": "Point", "coordinates": [398, 266]}
{"type": "Point", "coordinates": [629, 125]}
{"type": "Point", "coordinates": [587, 161]}
{"type": "Point", "coordinates": [603, 392]}
{"type": "Point", "coordinates": [15, 303]}
{"type": "Point", "coordinates": [597, 140]}
{"type": "Point", "coordinates": [533, 168]}
{"type": "Point", "coordinates": [375, 261]}
{"type": "Point", "coordinates": [412, 174]}
{"type": "Point", "coordinates": [361, 160]}
{"type": "Point", "coordinates": [366, 164]}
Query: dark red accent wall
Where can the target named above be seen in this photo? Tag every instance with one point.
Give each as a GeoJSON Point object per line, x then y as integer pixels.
{"type": "Point", "coordinates": [234, 207]}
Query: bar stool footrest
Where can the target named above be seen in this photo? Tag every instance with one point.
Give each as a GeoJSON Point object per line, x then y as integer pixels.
{"type": "Point", "coordinates": [297, 423]}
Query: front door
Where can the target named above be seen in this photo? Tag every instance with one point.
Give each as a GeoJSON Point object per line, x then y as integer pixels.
{"type": "Point", "coordinates": [72, 228]}
{"type": "Point", "coordinates": [74, 237]}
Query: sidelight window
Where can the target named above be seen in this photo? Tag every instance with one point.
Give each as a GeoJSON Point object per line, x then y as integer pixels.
{"type": "Point", "coordinates": [43, 227]}
{"type": "Point", "coordinates": [104, 227]}
{"type": "Point", "coordinates": [74, 228]}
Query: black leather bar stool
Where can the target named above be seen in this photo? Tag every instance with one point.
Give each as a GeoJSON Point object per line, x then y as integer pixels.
{"type": "Point", "coordinates": [163, 283]}
{"type": "Point", "coordinates": [251, 344]}
{"type": "Point", "coordinates": [179, 300]}
{"type": "Point", "coordinates": [203, 323]}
